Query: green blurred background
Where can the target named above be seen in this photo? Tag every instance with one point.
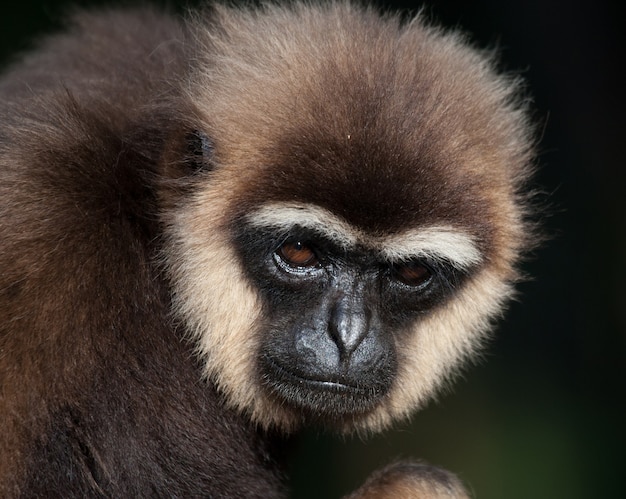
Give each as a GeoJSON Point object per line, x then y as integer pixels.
{"type": "Point", "coordinates": [543, 414]}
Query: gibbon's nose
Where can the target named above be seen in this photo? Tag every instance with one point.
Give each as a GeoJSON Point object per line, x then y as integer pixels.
{"type": "Point", "coordinates": [349, 324]}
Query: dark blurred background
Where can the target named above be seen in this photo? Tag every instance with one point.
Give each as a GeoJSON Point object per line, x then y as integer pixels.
{"type": "Point", "coordinates": [543, 414]}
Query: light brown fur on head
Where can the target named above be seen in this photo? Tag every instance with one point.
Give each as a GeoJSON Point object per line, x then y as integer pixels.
{"type": "Point", "coordinates": [275, 85]}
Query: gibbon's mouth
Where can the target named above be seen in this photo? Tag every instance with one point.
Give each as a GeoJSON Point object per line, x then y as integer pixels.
{"type": "Point", "coordinates": [313, 381]}
{"type": "Point", "coordinates": [321, 397]}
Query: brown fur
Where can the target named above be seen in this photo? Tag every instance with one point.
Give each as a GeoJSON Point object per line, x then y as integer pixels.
{"type": "Point", "coordinates": [112, 253]}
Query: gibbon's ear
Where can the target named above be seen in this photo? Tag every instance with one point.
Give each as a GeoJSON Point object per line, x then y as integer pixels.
{"type": "Point", "coordinates": [188, 155]}
{"type": "Point", "coordinates": [199, 152]}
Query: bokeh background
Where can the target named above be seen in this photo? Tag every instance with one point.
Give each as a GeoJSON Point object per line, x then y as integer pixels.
{"type": "Point", "coordinates": [543, 415]}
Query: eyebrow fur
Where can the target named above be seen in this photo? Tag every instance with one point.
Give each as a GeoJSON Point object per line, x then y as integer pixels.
{"type": "Point", "coordinates": [439, 243]}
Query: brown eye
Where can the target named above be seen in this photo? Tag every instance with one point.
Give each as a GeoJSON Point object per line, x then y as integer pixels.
{"type": "Point", "coordinates": [297, 254]}
{"type": "Point", "coordinates": [412, 273]}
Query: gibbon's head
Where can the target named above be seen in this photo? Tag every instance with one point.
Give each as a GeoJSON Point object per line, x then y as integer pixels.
{"type": "Point", "coordinates": [357, 219]}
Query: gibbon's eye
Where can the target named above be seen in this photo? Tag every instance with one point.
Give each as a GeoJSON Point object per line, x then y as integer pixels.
{"type": "Point", "coordinates": [297, 254]}
{"type": "Point", "coordinates": [413, 274]}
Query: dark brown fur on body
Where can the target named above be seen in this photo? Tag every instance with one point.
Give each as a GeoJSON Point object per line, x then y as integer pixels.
{"type": "Point", "coordinates": [113, 382]}
{"type": "Point", "coordinates": [99, 396]}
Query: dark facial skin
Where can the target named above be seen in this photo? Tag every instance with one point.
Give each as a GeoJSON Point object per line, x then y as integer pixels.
{"type": "Point", "coordinates": [334, 318]}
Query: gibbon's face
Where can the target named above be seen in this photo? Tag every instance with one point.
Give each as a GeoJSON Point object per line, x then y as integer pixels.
{"type": "Point", "coordinates": [338, 302]}
{"type": "Point", "coordinates": [360, 220]}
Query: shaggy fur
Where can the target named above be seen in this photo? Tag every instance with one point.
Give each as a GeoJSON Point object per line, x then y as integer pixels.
{"type": "Point", "coordinates": [129, 330]}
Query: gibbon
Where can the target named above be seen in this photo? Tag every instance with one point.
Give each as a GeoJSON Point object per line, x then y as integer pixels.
{"type": "Point", "coordinates": [219, 229]}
